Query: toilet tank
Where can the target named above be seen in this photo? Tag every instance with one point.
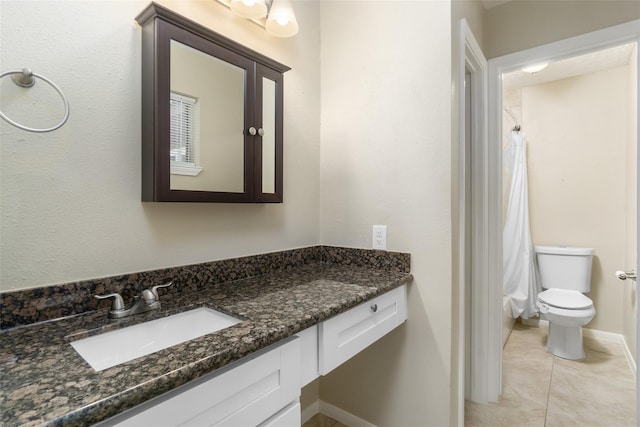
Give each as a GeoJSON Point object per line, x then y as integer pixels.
{"type": "Point", "coordinates": [565, 267]}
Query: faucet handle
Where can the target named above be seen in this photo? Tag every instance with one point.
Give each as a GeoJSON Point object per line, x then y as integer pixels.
{"type": "Point", "coordinates": [118, 303]}
{"type": "Point", "coordinates": [149, 297]}
{"type": "Point", "coordinates": [154, 289]}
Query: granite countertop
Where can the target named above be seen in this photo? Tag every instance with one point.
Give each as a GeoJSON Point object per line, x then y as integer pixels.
{"type": "Point", "coordinates": [43, 381]}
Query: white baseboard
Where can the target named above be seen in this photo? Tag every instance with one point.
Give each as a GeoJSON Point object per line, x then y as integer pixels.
{"type": "Point", "coordinates": [602, 336]}
{"type": "Point", "coordinates": [627, 354]}
{"type": "Point", "coordinates": [343, 416]}
{"type": "Point", "coordinates": [309, 411]}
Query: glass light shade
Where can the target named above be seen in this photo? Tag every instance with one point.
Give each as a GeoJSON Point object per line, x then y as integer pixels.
{"type": "Point", "coordinates": [250, 9]}
{"type": "Point", "coordinates": [281, 21]}
{"type": "Point", "coordinates": [535, 68]}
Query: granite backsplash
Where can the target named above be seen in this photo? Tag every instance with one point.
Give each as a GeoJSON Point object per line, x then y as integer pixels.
{"type": "Point", "coordinates": [24, 307]}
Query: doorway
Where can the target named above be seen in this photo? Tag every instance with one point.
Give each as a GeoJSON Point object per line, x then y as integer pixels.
{"type": "Point", "coordinates": [575, 115]}
{"type": "Point", "coordinates": [610, 37]}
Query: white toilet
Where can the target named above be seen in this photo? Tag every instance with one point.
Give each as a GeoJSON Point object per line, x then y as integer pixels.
{"type": "Point", "coordinates": [565, 276]}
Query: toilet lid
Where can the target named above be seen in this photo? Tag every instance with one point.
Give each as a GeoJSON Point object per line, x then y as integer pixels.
{"type": "Point", "coordinates": [564, 298]}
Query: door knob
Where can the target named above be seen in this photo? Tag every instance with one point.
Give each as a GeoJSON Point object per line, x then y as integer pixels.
{"type": "Point", "coordinates": [624, 275]}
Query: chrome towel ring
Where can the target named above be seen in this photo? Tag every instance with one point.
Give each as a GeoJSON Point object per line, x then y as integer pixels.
{"type": "Point", "coordinates": [26, 78]}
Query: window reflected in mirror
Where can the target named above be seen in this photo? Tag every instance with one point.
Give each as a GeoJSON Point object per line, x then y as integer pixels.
{"type": "Point", "coordinates": [184, 136]}
{"type": "Point", "coordinates": [211, 140]}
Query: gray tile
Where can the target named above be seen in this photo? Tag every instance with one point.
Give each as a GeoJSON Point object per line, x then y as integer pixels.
{"type": "Point", "coordinates": [572, 408]}
{"type": "Point", "coordinates": [321, 420]}
{"type": "Point", "coordinates": [610, 347]}
{"type": "Point", "coordinates": [600, 397]}
{"type": "Point", "coordinates": [500, 415]}
{"type": "Point", "coordinates": [526, 342]}
{"type": "Point", "coordinates": [542, 390]}
{"type": "Point", "coordinates": [597, 364]}
{"type": "Point", "coordinates": [526, 383]}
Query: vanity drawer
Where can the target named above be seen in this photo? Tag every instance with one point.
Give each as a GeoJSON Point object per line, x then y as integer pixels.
{"type": "Point", "coordinates": [246, 395]}
{"type": "Point", "coordinates": [345, 335]}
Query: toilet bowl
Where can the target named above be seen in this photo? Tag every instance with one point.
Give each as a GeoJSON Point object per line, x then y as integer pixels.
{"type": "Point", "coordinates": [565, 275]}
{"type": "Point", "coordinates": [566, 311]}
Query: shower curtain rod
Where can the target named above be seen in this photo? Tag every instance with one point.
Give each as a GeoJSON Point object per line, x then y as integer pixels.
{"type": "Point", "coordinates": [517, 126]}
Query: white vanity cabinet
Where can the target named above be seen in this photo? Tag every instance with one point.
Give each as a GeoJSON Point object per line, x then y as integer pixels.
{"type": "Point", "coordinates": [343, 336]}
{"type": "Point", "coordinates": [288, 417]}
{"type": "Point", "coordinates": [327, 345]}
{"type": "Point", "coordinates": [260, 391]}
{"type": "Point", "coordinates": [308, 355]}
{"type": "Point", "coordinates": [263, 389]}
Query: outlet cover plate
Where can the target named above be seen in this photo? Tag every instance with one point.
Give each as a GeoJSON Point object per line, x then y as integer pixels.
{"type": "Point", "coordinates": [379, 238]}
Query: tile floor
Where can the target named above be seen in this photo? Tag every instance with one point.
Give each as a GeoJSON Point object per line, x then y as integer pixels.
{"type": "Point", "coordinates": [321, 420]}
{"type": "Point", "coordinates": [542, 390]}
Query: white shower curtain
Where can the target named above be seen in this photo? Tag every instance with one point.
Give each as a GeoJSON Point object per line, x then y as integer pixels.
{"type": "Point", "coordinates": [519, 264]}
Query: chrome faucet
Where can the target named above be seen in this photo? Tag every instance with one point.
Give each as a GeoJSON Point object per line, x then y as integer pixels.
{"type": "Point", "coordinates": [150, 300]}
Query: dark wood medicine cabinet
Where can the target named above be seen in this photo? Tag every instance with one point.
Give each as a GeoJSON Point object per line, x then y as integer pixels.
{"type": "Point", "coordinates": [211, 115]}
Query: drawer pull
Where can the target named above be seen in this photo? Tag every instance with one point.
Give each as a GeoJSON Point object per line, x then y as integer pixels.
{"type": "Point", "coordinates": [374, 307]}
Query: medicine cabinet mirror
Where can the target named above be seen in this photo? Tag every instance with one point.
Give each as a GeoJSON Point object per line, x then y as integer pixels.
{"type": "Point", "coordinates": [211, 115]}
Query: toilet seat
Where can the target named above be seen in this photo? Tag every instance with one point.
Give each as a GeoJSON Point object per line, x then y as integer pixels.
{"type": "Point", "coordinates": [565, 307]}
{"type": "Point", "coordinates": [565, 299]}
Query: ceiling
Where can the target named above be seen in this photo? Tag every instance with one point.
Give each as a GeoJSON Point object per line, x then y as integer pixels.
{"type": "Point", "coordinates": [571, 67]}
{"type": "Point", "coordinates": [488, 4]}
{"type": "Point", "coordinates": [566, 68]}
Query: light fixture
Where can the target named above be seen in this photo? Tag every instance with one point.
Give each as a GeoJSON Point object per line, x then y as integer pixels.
{"type": "Point", "coordinates": [250, 9]}
{"type": "Point", "coordinates": [535, 68]}
{"type": "Point", "coordinates": [276, 16]}
{"type": "Point", "coordinates": [281, 21]}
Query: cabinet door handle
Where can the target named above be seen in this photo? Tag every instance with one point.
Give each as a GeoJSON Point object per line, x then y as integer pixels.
{"type": "Point", "coordinates": [252, 131]}
{"type": "Point", "coordinates": [374, 307]}
{"type": "Point", "coordinates": [261, 132]}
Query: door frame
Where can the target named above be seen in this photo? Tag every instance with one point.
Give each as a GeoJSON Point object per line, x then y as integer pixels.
{"type": "Point", "coordinates": [473, 197]}
{"type": "Point", "coordinates": [585, 43]}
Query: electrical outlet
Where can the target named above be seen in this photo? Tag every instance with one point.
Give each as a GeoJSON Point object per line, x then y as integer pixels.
{"type": "Point", "coordinates": [380, 237]}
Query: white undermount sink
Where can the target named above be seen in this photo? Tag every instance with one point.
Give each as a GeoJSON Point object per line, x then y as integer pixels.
{"type": "Point", "coordinates": [113, 348]}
